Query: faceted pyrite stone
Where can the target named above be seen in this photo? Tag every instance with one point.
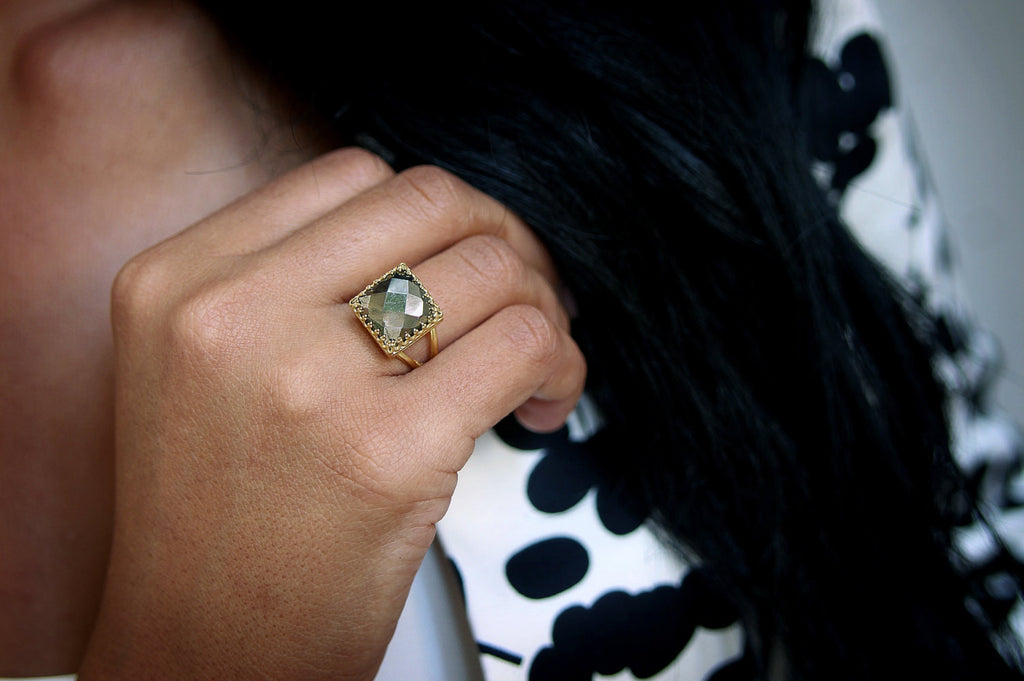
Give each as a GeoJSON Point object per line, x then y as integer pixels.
{"type": "Point", "coordinates": [396, 309]}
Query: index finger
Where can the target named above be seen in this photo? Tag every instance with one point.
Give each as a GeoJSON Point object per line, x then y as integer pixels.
{"type": "Point", "coordinates": [408, 218]}
{"type": "Point", "coordinates": [287, 203]}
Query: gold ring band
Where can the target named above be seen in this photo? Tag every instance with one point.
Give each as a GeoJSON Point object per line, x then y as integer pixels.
{"type": "Point", "coordinates": [397, 311]}
{"type": "Point", "coordinates": [433, 351]}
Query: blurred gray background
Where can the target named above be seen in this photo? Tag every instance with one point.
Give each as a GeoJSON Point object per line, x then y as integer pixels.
{"type": "Point", "coordinates": [959, 65]}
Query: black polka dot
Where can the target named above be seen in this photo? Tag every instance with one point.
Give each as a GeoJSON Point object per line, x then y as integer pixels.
{"type": "Point", "coordinates": [862, 58]}
{"type": "Point", "coordinates": [855, 161]}
{"type": "Point", "coordinates": [550, 666]}
{"type": "Point", "coordinates": [567, 472]}
{"type": "Point", "coordinates": [641, 632]}
{"type": "Point", "coordinates": [547, 567]}
{"type": "Point", "coordinates": [620, 513]}
{"type": "Point", "coordinates": [842, 103]}
{"type": "Point", "coordinates": [560, 479]}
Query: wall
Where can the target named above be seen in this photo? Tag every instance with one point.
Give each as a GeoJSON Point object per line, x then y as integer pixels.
{"type": "Point", "coordinates": [960, 67]}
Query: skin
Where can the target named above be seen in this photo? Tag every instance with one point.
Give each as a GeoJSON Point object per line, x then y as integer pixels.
{"type": "Point", "coordinates": [277, 477]}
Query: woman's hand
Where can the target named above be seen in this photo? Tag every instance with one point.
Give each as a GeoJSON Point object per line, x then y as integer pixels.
{"type": "Point", "coordinates": [279, 477]}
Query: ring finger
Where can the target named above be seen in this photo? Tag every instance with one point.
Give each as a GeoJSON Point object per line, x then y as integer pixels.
{"type": "Point", "coordinates": [471, 281]}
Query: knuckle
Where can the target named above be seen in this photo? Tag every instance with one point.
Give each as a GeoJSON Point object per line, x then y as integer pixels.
{"type": "Point", "coordinates": [295, 396]}
{"type": "Point", "coordinates": [214, 323]}
{"type": "Point", "coordinates": [138, 286]}
{"type": "Point", "coordinates": [532, 333]}
{"type": "Point", "coordinates": [431, 191]}
{"type": "Point", "coordinates": [493, 261]}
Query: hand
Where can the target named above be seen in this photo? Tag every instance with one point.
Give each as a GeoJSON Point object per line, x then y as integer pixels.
{"type": "Point", "coordinates": [279, 477]}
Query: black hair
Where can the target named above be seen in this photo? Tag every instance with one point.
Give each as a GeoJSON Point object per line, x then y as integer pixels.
{"type": "Point", "coordinates": [767, 387]}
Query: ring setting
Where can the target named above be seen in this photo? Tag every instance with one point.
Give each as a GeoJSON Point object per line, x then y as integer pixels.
{"type": "Point", "coordinates": [397, 311]}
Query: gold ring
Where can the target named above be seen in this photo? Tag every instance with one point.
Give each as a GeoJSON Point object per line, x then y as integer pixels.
{"type": "Point", "coordinates": [397, 311]}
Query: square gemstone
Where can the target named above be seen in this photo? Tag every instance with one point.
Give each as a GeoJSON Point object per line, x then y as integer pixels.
{"type": "Point", "coordinates": [396, 309]}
